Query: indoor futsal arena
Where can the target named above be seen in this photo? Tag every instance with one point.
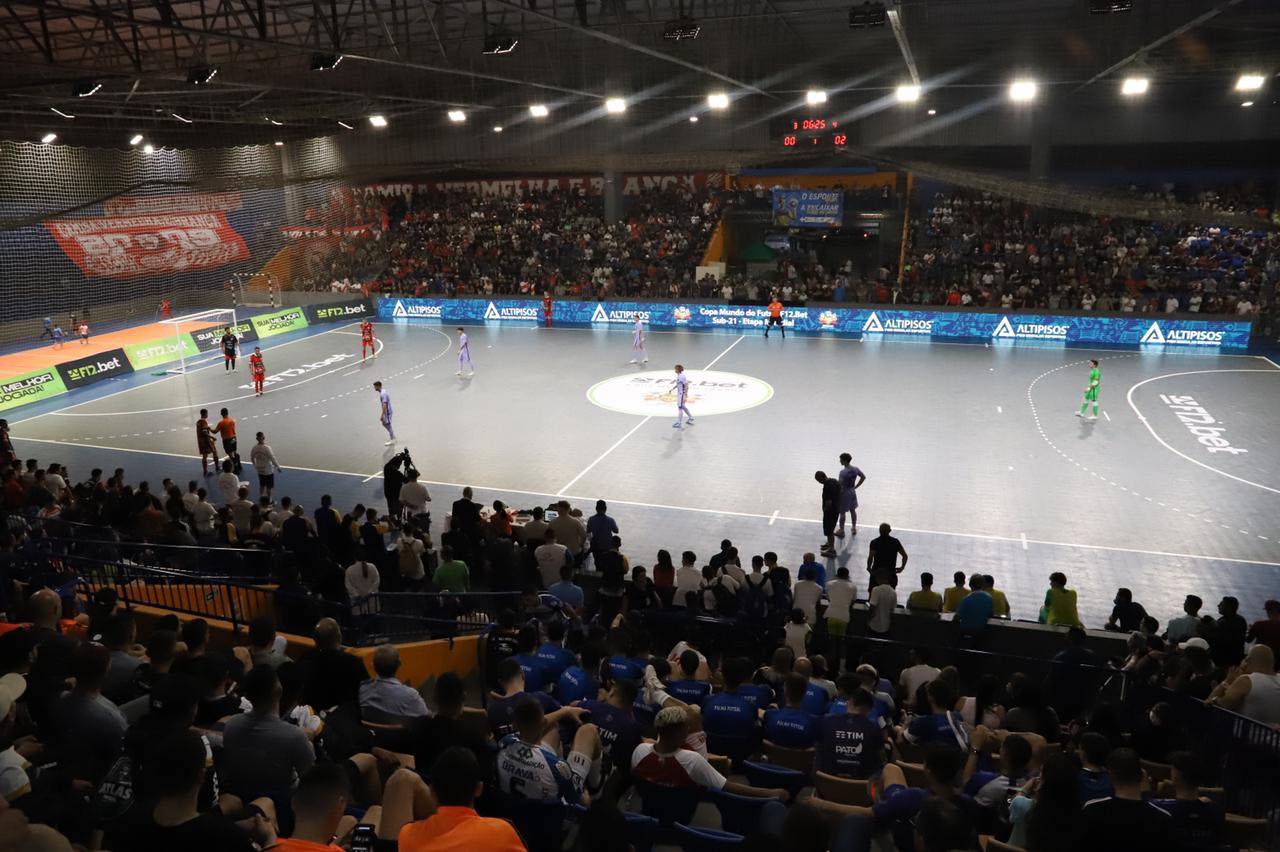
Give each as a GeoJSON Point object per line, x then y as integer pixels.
{"type": "Point", "coordinates": [779, 427]}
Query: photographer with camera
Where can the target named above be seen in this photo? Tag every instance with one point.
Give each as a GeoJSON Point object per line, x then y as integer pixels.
{"type": "Point", "coordinates": [394, 475]}
{"type": "Point", "coordinates": [414, 499]}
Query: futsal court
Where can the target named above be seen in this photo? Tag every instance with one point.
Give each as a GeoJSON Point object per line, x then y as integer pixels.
{"type": "Point", "coordinates": [971, 452]}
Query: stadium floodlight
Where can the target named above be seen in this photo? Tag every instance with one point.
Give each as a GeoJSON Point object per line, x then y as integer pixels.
{"type": "Point", "coordinates": [718, 100]}
{"type": "Point", "coordinates": [135, 139]}
{"type": "Point", "coordinates": [933, 112]}
{"type": "Point", "coordinates": [1247, 104]}
{"type": "Point", "coordinates": [148, 148]}
{"type": "Point", "coordinates": [378, 120]}
{"type": "Point", "coordinates": [867, 15]}
{"type": "Point", "coordinates": [181, 118]}
{"type": "Point", "coordinates": [907, 94]}
{"type": "Point", "coordinates": [271, 120]}
{"type": "Point", "coordinates": [201, 75]}
{"type": "Point", "coordinates": [85, 88]}
{"type": "Point", "coordinates": [325, 61]}
{"type": "Point", "coordinates": [60, 113]}
{"type": "Point", "coordinates": [813, 97]}
{"type": "Point", "coordinates": [1250, 82]}
{"type": "Point", "coordinates": [497, 45]}
{"type": "Point", "coordinates": [1023, 91]}
{"type": "Point", "coordinates": [48, 138]}
{"type": "Point", "coordinates": [497, 128]}
{"type": "Point", "coordinates": [614, 106]}
{"type": "Point", "coordinates": [693, 119]}
{"type": "Point", "coordinates": [346, 126]}
{"type": "Point", "coordinates": [1107, 7]}
{"type": "Point", "coordinates": [539, 110]}
{"type": "Point", "coordinates": [457, 116]}
{"type": "Point", "coordinates": [1134, 86]}
{"type": "Point", "coordinates": [681, 29]}
{"type": "Point", "coordinates": [279, 144]}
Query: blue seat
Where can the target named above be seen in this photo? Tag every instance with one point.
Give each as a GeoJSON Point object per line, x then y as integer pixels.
{"type": "Point", "coordinates": [736, 749]}
{"type": "Point", "coordinates": [667, 805]}
{"type": "Point", "coordinates": [643, 831]}
{"type": "Point", "coordinates": [771, 776]}
{"type": "Point", "coordinates": [705, 839]}
{"type": "Point", "coordinates": [738, 814]}
{"type": "Point", "coordinates": [540, 824]}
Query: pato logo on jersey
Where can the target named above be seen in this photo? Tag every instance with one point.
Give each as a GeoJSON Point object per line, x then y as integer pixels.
{"type": "Point", "coordinates": [653, 393]}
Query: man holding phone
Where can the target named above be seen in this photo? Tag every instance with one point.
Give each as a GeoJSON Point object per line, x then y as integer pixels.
{"type": "Point", "coordinates": [320, 821]}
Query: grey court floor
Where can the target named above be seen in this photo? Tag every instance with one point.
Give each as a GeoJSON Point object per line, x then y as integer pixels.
{"type": "Point", "coordinates": [971, 452]}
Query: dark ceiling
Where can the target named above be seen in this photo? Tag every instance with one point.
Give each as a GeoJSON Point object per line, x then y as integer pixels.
{"type": "Point", "coordinates": [425, 56]}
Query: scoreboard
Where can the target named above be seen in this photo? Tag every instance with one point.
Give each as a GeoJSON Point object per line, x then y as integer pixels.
{"type": "Point", "coordinates": [811, 132]}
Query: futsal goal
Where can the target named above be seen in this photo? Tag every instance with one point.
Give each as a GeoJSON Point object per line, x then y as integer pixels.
{"type": "Point", "coordinates": [191, 329]}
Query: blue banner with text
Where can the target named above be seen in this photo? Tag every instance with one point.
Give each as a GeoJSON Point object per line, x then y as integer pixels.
{"type": "Point", "coordinates": [868, 323]}
{"type": "Point", "coordinates": [808, 208]}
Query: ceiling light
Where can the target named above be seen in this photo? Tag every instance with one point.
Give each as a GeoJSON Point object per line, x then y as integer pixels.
{"type": "Point", "coordinates": [202, 75]}
{"type": "Point", "coordinates": [343, 124]}
{"type": "Point", "coordinates": [497, 128]}
{"type": "Point", "coordinates": [148, 148]}
{"type": "Point", "coordinates": [908, 94]}
{"type": "Point", "coordinates": [539, 111]}
{"type": "Point", "coordinates": [57, 111]}
{"type": "Point", "coordinates": [1106, 7]}
{"type": "Point", "coordinates": [867, 15]}
{"type": "Point", "coordinates": [273, 121]}
{"type": "Point", "coordinates": [457, 116]}
{"type": "Point", "coordinates": [378, 120]}
{"type": "Point", "coordinates": [718, 100]}
{"type": "Point", "coordinates": [180, 118]}
{"type": "Point", "coordinates": [814, 97]}
{"type": "Point", "coordinates": [1247, 104]}
{"type": "Point", "coordinates": [325, 61]}
{"type": "Point", "coordinates": [615, 106]}
{"type": "Point", "coordinates": [933, 112]}
{"type": "Point", "coordinates": [85, 88]}
{"type": "Point", "coordinates": [1135, 86]}
{"type": "Point", "coordinates": [1249, 82]}
{"type": "Point", "coordinates": [1022, 91]}
{"type": "Point", "coordinates": [496, 45]}
{"type": "Point", "coordinates": [48, 137]}
{"type": "Point", "coordinates": [135, 139]}
{"type": "Point", "coordinates": [279, 144]}
{"type": "Point", "coordinates": [693, 119]}
{"type": "Point", "coordinates": [681, 29]}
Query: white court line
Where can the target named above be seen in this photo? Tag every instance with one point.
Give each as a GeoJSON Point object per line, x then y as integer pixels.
{"type": "Point", "coordinates": [63, 412]}
{"type": "Point", "coordinates": [773, 517]}
{"type": "Point", "coordinates": [344, 375]}
{"type": "Point", "coordinates": [1023, 536]}
{"type": "Point", "coordinates": [420, 375]}
{"type": "Point", "coordinates": [636, 427]}
{"type": "Point", "coordinates": [999, 410]}
{"type": "Point", "coordinates": [1161, 441]}
{"type": "Point", "coordinates": [1269, 361]}
{"type": "Point", "coordinates": [1106, 415]}
{"type": "Point", "coordinates": [704, 511]}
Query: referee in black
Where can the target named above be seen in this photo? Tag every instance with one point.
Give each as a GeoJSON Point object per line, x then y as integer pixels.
{"type": "Point", "coordinates": [830, 510]}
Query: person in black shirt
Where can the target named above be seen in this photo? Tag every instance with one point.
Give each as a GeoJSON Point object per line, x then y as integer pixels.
{"type": "Point", "coordinates": [1123, 822]}
{"type": "Point", "coordinates": [850, 744]}
{"type": "Point", "coordinates": [830, 510]}
{"type": "Point", "coordinates": [1127, 614]}
{"type": "Point", "coordinates": [882, 556]}
{"type": "Point", "coordinates": [1199, 822]}
{"type": "Point", "coordinates": [229, 345]}
{"type": "Point", "coordinates": [332, 677]}
{"type": "Point", "coordinates": [432, 735]}
{"type": "Point", "coordinates": [1226, 643]}
{"type": "Point", "coordinates": [501, 643]}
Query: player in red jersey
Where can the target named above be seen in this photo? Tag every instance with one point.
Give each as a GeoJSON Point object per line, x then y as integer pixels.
{"type": "Point", "coordinates": [367, 343]}
{"type": "Point", "coordinates": [546, 308]}
{"type": "Point", "coordinates": [258, 368]}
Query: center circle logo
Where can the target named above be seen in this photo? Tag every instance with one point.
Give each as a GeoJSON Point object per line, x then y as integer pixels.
{"type": "Point", "coordinates": [653, 393]}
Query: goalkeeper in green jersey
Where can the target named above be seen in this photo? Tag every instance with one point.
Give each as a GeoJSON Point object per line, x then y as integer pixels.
{"type": "Point", "coordinates": [1091, 392]}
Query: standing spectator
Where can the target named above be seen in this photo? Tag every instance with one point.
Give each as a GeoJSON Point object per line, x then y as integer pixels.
{"type": "Point", "coordinates": [414, 496]}
{"type": "Point", "coordinates": [830, 510]}
{"type": "Point", "coordinates": [806, 595]}
{"type": "Point", "coordinates": [362, 580]}
{"type": "Point", "coordinates": [551, 556]}
{"type": "Point", "coordinates": [456, 782]}
{"type": "Point", "coordinates": [1183, 627]}
{"type": "Point", "coordinates": [393, 480]}
{"type": "Point", "coordinates": [453, 574]}
{"type": "Point", "coordinates": [384, 699]}
{"type": "Point", "coordinates": [882, 556]}
{"type": "Point", "coordinates": [925, 598]}
{"type": "Point", "coordinates": [264, 462]}
{"type": "Point", "coordinates": [688, 578]}
{"type": "Point", "coordinates": [664, 577]}
{"type": "Point", "coordinates": [955, 593]}
{"type": "Point", "coordinates": [1226, 643]}
{"type": "Point", "coordinates": [569, 593]}
{"type": "Point", "coordinates": [841, 593]}
{"type": "Point", "coordinates": [570, 532]}
{"type": "Point", "coordinates": [797, 633]}
{"type": "Point", "coordinates": [1266, 631]}
{"type": "Point", "coordinates": [1060, 602]}
{"type": "Point", "coordinates": [600, 530]}
{"type": "Point", "coordinates": [1127, 614]}
{"type": "Point", "coordinates": [881, 602]}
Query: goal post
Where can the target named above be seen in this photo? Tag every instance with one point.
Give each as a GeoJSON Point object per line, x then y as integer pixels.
{"type": "Point", "coordinates": [254, 290]}
{"type": "Point", "coordinates": [186, 327]}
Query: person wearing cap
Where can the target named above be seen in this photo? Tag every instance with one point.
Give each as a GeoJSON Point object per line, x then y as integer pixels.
{"type": "Point", "coordinates": [667, 763]}
{"type": "Point", "coordinates": [1252, 688]}
{"type": "Point", "coordinates": [14, 782]}
{"type": "Point", "coordinates": [1267, 631]}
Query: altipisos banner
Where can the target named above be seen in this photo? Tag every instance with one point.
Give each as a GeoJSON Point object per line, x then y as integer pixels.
{"type": "Point", "coordinates": [134, 246]}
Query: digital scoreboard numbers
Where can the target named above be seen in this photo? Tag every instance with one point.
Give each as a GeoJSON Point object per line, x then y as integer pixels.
{"type": "Point", "coordinates": [805, 133]}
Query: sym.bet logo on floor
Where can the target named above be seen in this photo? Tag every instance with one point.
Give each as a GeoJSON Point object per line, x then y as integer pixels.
{"type": "Point", "coordinates": [652, 393]}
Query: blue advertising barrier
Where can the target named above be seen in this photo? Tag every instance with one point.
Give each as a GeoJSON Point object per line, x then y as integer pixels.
{"type": "Point", "coordinates": [869, 323]}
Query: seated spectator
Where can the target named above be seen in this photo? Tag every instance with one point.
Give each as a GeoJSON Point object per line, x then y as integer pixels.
{"type": "Point", "coordinates": [1183, 627]}
{"type": "Point", "coordinates": [667, 763]}
{"type": "Point", "coordinates": [1045, 816]}
{"type": "Point", "coordinates": [456, 782]}
{"type": "Point", "coordinates": [119, 634]}
{"type": "Point", "coordinates": [536, 678]}
{"type": "Point", "coordinates": [1028, 710]}
{"type": "Point", "coordinates": [925, 598]}
{"type": "Point", "coordinates": [1123, 821]}
{"type": "Point", "coordinates": [1127, 614]}
{"type": "Point", "coordinates": [1198, 821]}
{"type": "Point", "coordinates": [688, 579]}
{"type": "Point", "coordinates": [1060, 602]}
{"type": "Point", "coordinates": [502, 708]}
{"type": "Point", "coordinates": [86, 729]}
{"type": "Point", "coordinates": [954, 594]}
{"type": "Point", "coordinates": [850, 743]}
{"type": "Point", "coordinates": [1266, 631]}
{"type": "Point", "coordinates": [433, 734]}
{"type": "Point", "coordinates": [1253, 688]}
{"type": "Point", "coordinates": [1156, 736]}
{"type": "Point", "coordinates": [719, 593]}
{"type": "Point", "coordinates": [332, 676]}
{"type": "Point", "coordinates": [384, 699]}
{"type": "Point", "coordinates": [581, 679]}
{"type": "Point", "coordinates": [687, 687]}
{"type": "Point", "coordinates": [664, 576]}
{"type": "Point", "coordinates": [730, 718]}
{"type": "Point", "coordinates": [1000, 603]}
{"type": "Point", "coordinates": [319, 811]}
{"type": "Point", "coordinates": [552, 655]}
{"type": "Point", "coordinates": [1015, 769]}
{"type": "Point", "coordinates": [626, 663]}
{"type": "Point", "coordinates": [362, 579]}
{"type": "Point", "coordinates": [263, 754]}
{"type": "Point", "coordinates": [797, 633]}
{"type": "Point", "coordinates": [870, 680]}
{"type": "Point", "coordinates": [642, 594]}
{"type": "Point", "coordinates": [917, 673]}
{"type": "Point", "coordinates": [790, 726]}
{"type": "Point", "coordinates": [615, 720]}
{"type": "Point", "coordinates": [162, 650]}
{"type": "Point", "coordinates": [942, 725]}
{"type": "Point", "coordinates": [569, 593]}
{"type": "Point", "coordinates": [265, 648]}
{"type": "Point", "coordinates": [1094, 781]}
{"type": "Point", "coordinates": [897, 805]}
{"type": "Point", "coordinates": [978, 606]}
{"type": "Point", "coordinates": [529, 765]}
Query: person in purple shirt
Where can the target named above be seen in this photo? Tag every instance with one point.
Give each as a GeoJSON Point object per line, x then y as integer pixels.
{"type": "Point", "coordinates": [620, 733]}
{"type": "Point", "coordinates": [536, 678]}
{"type": "Point", "coordinates": [601, 529]}
{"type": "Point", "coordinates": [581, 681]}
{"type": "Point", "coordinates": [851, 478]}
{"type": "Point", "coordinates": [553, 656]}
{"type": "Point", "coordinates": [502, 710]}
{"type": "Point", "coordinates": [730, 720]}
{"type": "Point", "coordinates": [850, 744]}
{"type": "Point", "coordinates": [790, 726]}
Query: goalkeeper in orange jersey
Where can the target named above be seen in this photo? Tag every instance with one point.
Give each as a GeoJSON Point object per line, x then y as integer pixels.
{"type": "Point", "coordinates": [367, 343]}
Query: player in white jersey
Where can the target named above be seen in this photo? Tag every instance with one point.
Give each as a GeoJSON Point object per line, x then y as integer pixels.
{"type": "Point", "coordinates": [681, 385]}
{"type": "Point", "coordinates": [529, 765]}
{"type": "Point", "coordinates": [384, 417]}
{"type": "Point", "coordinates": [464, 354]}
{"type": "Point", "coordinates": [638, 355]}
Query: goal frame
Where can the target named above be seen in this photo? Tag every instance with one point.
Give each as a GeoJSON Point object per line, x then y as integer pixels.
{"type": "Point", "coordinates": [215, 317]}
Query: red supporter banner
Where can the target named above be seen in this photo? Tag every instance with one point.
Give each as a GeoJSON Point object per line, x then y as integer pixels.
{"type": "Point", "coordinates": [194, 202]}
{"type": "Point", "coordinates": [594, 185]}
{"type": "Point", "coordinates": [133, 246]}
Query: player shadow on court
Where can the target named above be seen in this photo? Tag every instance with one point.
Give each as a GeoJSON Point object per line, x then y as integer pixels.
{"type": "Point", "coordinates": [1086, 429]}
{"type": "Point", "coordinates": [464, 382]}
{"type": "Point", "coordinates": [674, 441]}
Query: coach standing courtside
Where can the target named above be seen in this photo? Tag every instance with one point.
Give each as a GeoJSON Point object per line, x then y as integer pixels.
{"type": "Point", "coordinates": [830, 510]}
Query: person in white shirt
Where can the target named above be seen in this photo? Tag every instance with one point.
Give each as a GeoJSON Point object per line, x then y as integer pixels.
{"type": "Point", "coordinates": [806, 594]}
{"type": "Point", "coordinates": [228, 483]}
{"type": "Point", "coordinates": [241, 508]}
{"type": "Point", "coordinates": [410, 549]}
{"type": "Point", "coordinates": [54, 481]}
{"type": "Point", "coordinates": [882, 601]}
{"type": "Point", "coordinates": [362, 580]}
{"type": "Point", "coordinates": [192, 497]}
{"type": "Point", "coordinates": [916, 673]}
{"type": "Point", "coordinates": [413, 495]}
{"type": "Point", "coordinates": [203, 514]}
{"type": "Point", "coordinates": [1171, 305]}
{"type": "Point", "coordinates": [264, 462]}
{"type": "Point", "coordinates": [550, 556]}
{"type": "Point", "coordinates": [710, 580]}
{"type": "Point", "coordinates": [688, 578]}
{"type": "Point", "coordinates": [797, 633]}
{"type": "Point", "coordinates": [840, 594]}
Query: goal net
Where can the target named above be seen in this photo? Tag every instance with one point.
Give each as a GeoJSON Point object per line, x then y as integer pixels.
{"type": "Point", "coordinates": [195, 334]}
